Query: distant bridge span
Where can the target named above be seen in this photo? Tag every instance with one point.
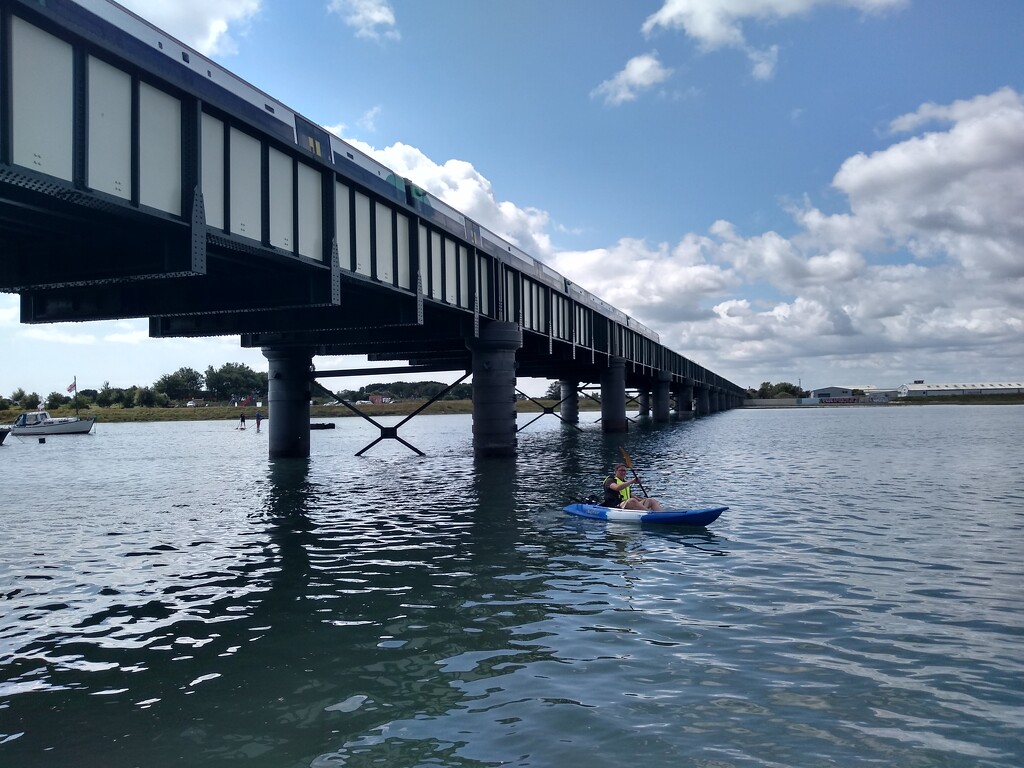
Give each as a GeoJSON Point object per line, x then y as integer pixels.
{"type": "Point", "coordinates": [140, 179]}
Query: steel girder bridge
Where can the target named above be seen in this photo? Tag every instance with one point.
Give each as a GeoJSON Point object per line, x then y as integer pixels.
{"type": "Point", "coordinates": [139, 179]}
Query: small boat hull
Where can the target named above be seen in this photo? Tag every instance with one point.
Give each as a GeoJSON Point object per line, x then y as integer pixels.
{"type": "Point", "coordinates": [697, 517]}
{"type": "Point", "coordinates": [42, 424]}
{"type": "Point", "coordinates": [4, 432]}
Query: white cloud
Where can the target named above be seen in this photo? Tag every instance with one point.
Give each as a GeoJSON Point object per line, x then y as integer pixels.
{"type": "Point", "coordinates": [204, 25]}
{"type": "Point", "coordinates": [57, 335]}
{"type": "Point", "coordinates": [10, 311]}
{"type": "Point", "coordinates": [368, 122]}
{"type": "Point", "coordinates": [641, 73]}
{"type": "Point", "coordinates": [338, 129]}
{"type": "Point", "coordinates": [923, 273]}
{"type": "Point", "coordinates": [839, 295]}
{"type": "Point", "coordinates": [957, 193]}
{"type": "Point", "coordinates": [459, 184]}
{"type": "Point", "coordinates": [128, 333]}
{"type": "Point", "coordinates": [764, 62]}
{"type": "Point", "coordinates": [662, 284]}
{"type": "Point", "coordinates": [715, 24]}
{"type": "Point", "coordinates": [372, 19]}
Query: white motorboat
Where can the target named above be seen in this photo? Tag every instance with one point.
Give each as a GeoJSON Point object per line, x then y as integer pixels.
{"type": "Point", "coordinates": [41, 423]}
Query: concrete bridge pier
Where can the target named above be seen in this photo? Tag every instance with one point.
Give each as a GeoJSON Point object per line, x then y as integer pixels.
{"type": "Point", "coordinates": [494, 389]}
{"type": "Point", "coordinates": [613, 396]}
{"type": "Point", "coordinates": [703, 401]}
{"type": "Point", "coordinates": [288, 401]}
{"type": "Point", "coordinates": [661, 397]}
{"type": "Point", "coordinates": [645, 403]}
{"type": "Point", "coordinates": [684, 401]}
{"type": "Point", "coordinates": [570, 397]}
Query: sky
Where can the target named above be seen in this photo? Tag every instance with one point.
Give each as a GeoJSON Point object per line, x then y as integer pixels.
{"type": "Point", "coordinates": [824, 192]}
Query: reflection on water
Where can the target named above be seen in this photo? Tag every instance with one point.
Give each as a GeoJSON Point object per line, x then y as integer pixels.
{"type": "Point", "coordinates": [193, 602]}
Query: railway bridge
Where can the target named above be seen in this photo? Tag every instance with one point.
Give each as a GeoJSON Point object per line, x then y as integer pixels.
{"type": "Point", "coordinates": [139, 179]}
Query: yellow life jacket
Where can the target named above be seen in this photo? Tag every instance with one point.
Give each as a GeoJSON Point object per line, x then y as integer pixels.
{"type": "Point", "coordinates": [624, 494]}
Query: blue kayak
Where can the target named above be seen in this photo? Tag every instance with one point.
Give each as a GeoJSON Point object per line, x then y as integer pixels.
{"type": "Point", "coordinates": [704, 516]}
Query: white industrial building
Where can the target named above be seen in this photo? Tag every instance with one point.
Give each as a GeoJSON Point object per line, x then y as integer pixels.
{"type": "Point", "coordinates": [920, 389]}
{"type": "Point", "coordinates": [853, 395]}
{"type": "Point", "coordinates": [830, 392]}
{"type": "Point", "coordinates": [871, 395]}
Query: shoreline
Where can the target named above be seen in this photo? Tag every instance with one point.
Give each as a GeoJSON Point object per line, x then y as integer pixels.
{"type": "Point", "coordinates": [232, 413]}
{"type": "Point", "coordinates": [441, 407]}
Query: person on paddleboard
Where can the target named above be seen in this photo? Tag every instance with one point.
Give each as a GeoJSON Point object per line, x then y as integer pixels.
{"type": "Point", "coordinates": [617, 493]}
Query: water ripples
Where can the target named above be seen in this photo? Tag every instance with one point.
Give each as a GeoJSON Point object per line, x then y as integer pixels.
{"type": "Point", "coordinates": [853, 607]}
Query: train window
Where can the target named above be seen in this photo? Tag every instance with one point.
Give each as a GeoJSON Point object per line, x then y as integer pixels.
{"type": "Point", "coordinates": [397, 182]}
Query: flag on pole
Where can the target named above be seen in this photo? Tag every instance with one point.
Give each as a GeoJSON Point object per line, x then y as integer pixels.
{"type": "Point", "coordinates": [73, 386]}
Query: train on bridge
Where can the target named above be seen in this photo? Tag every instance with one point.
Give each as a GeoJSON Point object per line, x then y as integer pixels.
{"type": "Point", "coordinates": [138, 178]}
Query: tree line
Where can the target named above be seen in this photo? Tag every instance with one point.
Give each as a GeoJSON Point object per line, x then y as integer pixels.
{"type": "Point", "coordinates": [769, 391]}
{"type": "Point", "coordinates": [232, 382]}
{"type": "Point", "coordinates": [237, 382]}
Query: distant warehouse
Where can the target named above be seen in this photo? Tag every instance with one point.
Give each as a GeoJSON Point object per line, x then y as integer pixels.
{"type": "Point", "coordinates": [920, 389]}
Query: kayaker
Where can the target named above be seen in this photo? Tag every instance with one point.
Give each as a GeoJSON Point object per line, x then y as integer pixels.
{"type": "Point", "coordinates": [617, 493]}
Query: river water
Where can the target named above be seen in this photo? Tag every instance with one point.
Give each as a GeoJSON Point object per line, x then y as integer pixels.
{"type": "Point", "coordinates": [168, 596]}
